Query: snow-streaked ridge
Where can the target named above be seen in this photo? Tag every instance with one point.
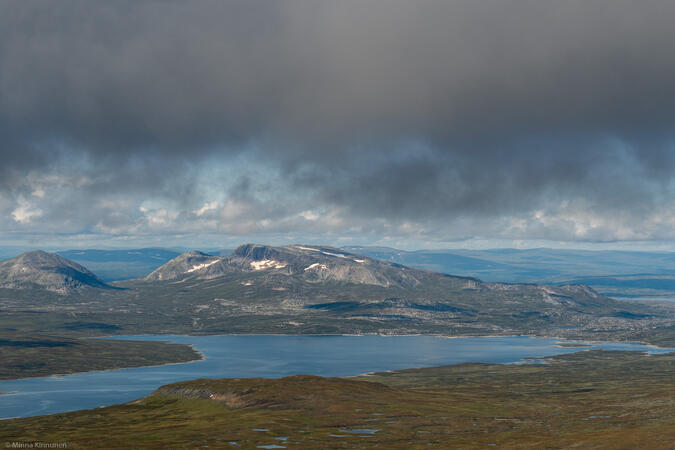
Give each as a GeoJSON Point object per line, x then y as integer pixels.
{"type": "Point", "coordinates": [201, 266]}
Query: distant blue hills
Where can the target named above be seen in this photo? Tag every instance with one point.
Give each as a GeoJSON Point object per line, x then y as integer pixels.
{"type": "Point", "coordinates": [612, 272]}
{"type": "Point", "coordinates": [114, 265]}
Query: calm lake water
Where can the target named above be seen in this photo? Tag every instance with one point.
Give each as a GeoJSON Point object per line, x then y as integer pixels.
{"type": "Point", "coordinates": [267, 356]}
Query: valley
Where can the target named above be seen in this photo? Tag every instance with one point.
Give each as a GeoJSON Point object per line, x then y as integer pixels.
{"type": "Point", "coordinates": [298, 290]}
{"type": "Point", "coordinates": [51, 307]}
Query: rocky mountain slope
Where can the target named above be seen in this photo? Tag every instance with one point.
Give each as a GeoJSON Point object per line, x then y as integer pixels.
{"type": "Point", "coordinates": [183, 265]}
{"type": "Point", "coordinates": [298, 280]}
{"type": "Point", "coordinates": [42, 270]}
{"type": "Point", "coordinates": [306, 289]}
{"type": "Point", "coordinates": [301, 262]}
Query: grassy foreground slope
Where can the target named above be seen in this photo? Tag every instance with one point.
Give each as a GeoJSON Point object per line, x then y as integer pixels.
{"type": "Point", "coordinates": [37, 356]}
{"type": "Point", "coordinates": [594, 399]}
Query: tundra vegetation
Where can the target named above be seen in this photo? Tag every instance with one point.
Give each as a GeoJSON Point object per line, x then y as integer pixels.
{"type": "Point", "coordinates": [590, 399]}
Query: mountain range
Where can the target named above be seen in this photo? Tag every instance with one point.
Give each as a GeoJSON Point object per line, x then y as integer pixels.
{"type": "Point", "coordinates": [540, 265]}
{"type": "Point", "coordinates": [310, 264]}
{"type": "Point", "coordinates": [620, 274]}
{"type": "Point", "coordinates": [304, 289]}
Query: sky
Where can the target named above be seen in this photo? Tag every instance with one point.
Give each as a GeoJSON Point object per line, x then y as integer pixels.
{"type": "Point", "coordinates": [425, 124]}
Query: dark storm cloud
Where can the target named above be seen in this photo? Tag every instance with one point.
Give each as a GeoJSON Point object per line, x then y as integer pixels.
{"type": "Point", "coordinates": [401, 110]}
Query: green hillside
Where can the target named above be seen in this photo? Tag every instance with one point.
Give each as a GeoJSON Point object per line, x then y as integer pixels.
{"type": "Point", "coordinates": [589, 399]}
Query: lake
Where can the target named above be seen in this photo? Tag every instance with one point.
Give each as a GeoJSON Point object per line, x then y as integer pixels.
{"type": "Point", "coordinates": [270, 356]}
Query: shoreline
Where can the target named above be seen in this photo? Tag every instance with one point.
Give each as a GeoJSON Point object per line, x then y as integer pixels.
{"type": "Point", "coordinates": [202, 357]}
{"type": "Point", "coordinates": [444, 336]}
{"type": "Point", "coordinates": [57, 375]}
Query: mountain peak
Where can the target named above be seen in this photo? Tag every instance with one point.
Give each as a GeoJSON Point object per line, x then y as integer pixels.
{"type": "Point", "coordinates": [313, 263]}
{"type": "Point", "coordinates": [307, 263]}
{"type": "Point", "coordinates": [38, 252]}
{"type": "Point", "coordinates": [40, 256]}
{"type": "Point", "coordinates": [186, 263]}
{"type": "Point", "coordinates": [193, 254]}
{"type": "Point", "coordinates": [43, 270]}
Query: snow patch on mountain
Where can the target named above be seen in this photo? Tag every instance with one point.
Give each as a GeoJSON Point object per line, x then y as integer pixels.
{"type": "Point", "coordinates": [339, 255]}
{"type": "Point", "coordinates": [307, 248]}
{"type": "Point", "coordinates": [267, 264]}
{"type": "Point", "coordinates": [201, 266]}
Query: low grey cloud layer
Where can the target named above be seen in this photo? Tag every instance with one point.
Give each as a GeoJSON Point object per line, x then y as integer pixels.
{"type": "Point", "coordinates": [428, 120]}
